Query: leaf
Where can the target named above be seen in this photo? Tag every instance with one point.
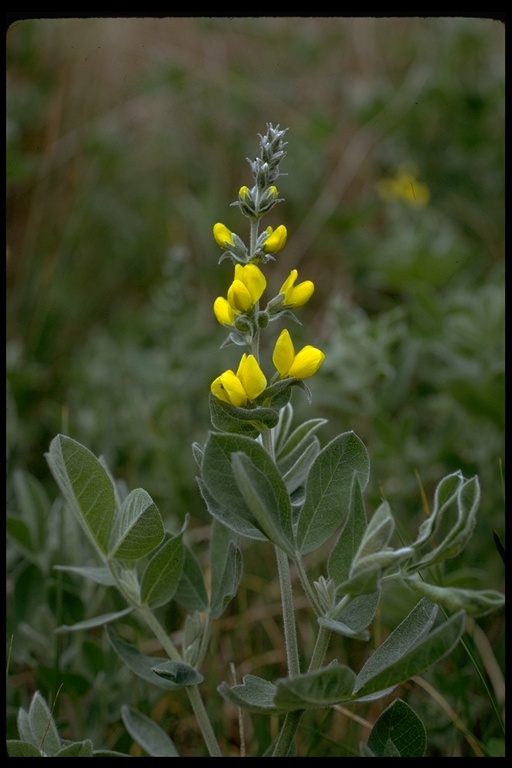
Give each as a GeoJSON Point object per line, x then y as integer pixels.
{"type": "Point", "coordinates": [225, 567]}
{"type": "Point", "coordinates": [98, 575]}
{"type": "Point", "coordinates": [321, 688]}
{"type": "Point", "coordinates": [329, 489]}
{"type": "Point", "coordinates": [229, 517]}
{"type": "Point", "coordinates": [180, 673]}
{"type": "Point", "coordinates": [244, 421]}
{"type": "Point", "coordinates": [97, 621]}
{"type": "Point", "coordinates": [162, 574]}
{"type": "Point", "coordinates": [147, 733]}
{"type": "Point", "coordinates": [191, 592]}
{"type": "Point", "coordinates": [398, 731]}
{"type": "Point", "coordinates": [42, 726]}
{"type": "Point", "coordinates": [77, 749]}
{"type": "Point", "coordinates": [17, 748]}
{"type": "Point", "coordinates": [272, 511]}
{"type": "Point", "coordinates": [355, 617]}
{"type": "Point", "coordinates": [140, 665]}
{"type": "Point", "coordinates": [344, 551]}
{"type": "Point", "coordinates": [476, 602]}
{"type": "Point", "coordinates": [218, 476]}
{"type": "Point", "coordinates": [386, 670]}
{"type": "Point", "coordinates": [254, 695]}
{"type": "Point", "coordinates": [287, 451]}
{"type": "Point", "coordinates": [86, 487]}
{"type": "Point", "coordinates": [295, 477]}
{"type": "Point", "coordinates": [18, 530]}
{"type": "Point", "coordinates": [137, 527]}
{"type": "Point", "coordinates": [456, 495]}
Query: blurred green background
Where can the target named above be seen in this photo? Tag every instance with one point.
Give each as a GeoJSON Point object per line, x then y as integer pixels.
{"type": "Point", "coordinates": [126, 142]}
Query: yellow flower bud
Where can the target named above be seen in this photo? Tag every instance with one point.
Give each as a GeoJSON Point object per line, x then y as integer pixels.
{"type": "Point", "coordinates": [239, 296]}
{"type": "Point", "coordinates": [223, 311]}
{"type": "Point", "coordinates": [301, 365]}
{"type": "Point", "coordinates": [243, 192]}
{"type": "Point", "coordinates": [296, 295]}
{"type": "Point", "coordinates": [252, 377]}
{"type": "Point", "coordinates": [223, 236]}
{"type": "Point", "coordinates": [229, 388]}
{"type": "Point", "coordinates": [276, 239]}
{"type": "Point", "coordinates": [247, 287]}
{"type": "Point", "coordinates": [248, 382]}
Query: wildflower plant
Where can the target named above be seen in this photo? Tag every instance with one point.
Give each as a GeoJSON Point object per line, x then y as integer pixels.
{"type": "Point", "coordinates": [266, 479]}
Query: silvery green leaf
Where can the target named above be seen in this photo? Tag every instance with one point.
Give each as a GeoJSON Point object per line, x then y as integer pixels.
{"type": "Point", "coordinates": [242, 421]}
{"type": "Point", "coordinates": [265, 495]}
{"type": "Point", "coordinates": [42, 726]}
{"type": "Point", "coordinates": [137, 528]}
{"type": "Point", "coordinates": [191, 591]}
{"type": "Point", "coordinates": [410, 649]}
{"type": "Point", "coordinates": [18, 748]}
{"type": "Point", "coordinates": [289, 448]}
{"type": "Point", "coordinates": [255, 695]}
{"type": "Point", "coordinates": [225, 566]}
{"type": "Point", "coordinates": [101, 575]}
{"type": "Point", "coordinates": [77, 749]}
{"type": "Point", "coordinates": [398, 732]}
{"type": "Point", "coordinates": [321, 688]}
{"type": "Point", "coordinates": [476, 602]}
{"type": "Point", "coordinates": [96, 621]}
{"type": "Point", "coordinates": [162, 573]}
{"type": "Point", "coordinates": [139, 664]}
{"type": "Point", "coordinates": [86, 487]}
{"type": "Point", "coordinates": [296, 475]}
{"type": "Point", "coordinates": [329, 489]}
{"type": "Point", "coordinates": [178, 672]}
{"type": "Point", "coordinates": [147, 733]}
{"type": "Point", "coordinates": [233, 518]}
{"type": "Point", "coordinates": [350, 537]}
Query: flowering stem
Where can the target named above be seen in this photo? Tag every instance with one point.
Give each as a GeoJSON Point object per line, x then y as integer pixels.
{"type": "Point", "coordinates": [290, 633]}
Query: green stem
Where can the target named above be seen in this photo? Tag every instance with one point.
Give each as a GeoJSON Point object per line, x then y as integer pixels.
{"type": "Point", "coordinates": [191, 690]}
{"type": "Point", "coordinates": [290, 633]}
{"type": "Point", "coordinates": [292, 719]}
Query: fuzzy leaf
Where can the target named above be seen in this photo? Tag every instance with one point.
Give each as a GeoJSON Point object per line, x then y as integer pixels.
{"type": "Point", "coordinates": [401, 657]}
{"type": "Point", "coordinates": [272, 510]}
{"type": "Point", "coordinates": [476, 602]}
{"type": "Point", "coordinates": [77, 749]}
{"type": "Point", "coordinates": [231, 518]}
{"type": "Point", "coordinates": [137, 528]}
{"type": "Point", "coordinates": [86, 487]}
{"type": "Point", "coordinates": [219, 479]}
{"type": "Point", "coordinates": [180, 673]}
{"type": "Point", "coordinates": [244, 421]}
{"type": "Point", "coordinates": [42, 726]}
{"type": "Point", "coordinates": [321, 688]}
{"type": "Point", "coordinates": [398, 732]}
{"type": "Point", "coordinates": [226, 568]}
{"type": "Point", "coordinates": [162, 574]}
{"type": "Point", "coordinates": [329, 489]}
{"type": "Point", "coordinates": [97, 621]}
{"type": "Point", "coordinates": [18, 748]}
{"type": "Point", "coordinates": [191, 592]}
{"type": "Point", "coordinates": [147, 733]}
{"type": "Point", "coordinates": [255, 695]}
{"type": "Point", "coordinates": [140, 665]}
{"type": "Point", "coordinates": [101, 575]}
{"type": "Point", "coordinates": [351, 535]}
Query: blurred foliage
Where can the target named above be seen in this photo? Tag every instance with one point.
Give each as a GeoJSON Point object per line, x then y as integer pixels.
{"type": "Point", "coordinates": [124, 146]}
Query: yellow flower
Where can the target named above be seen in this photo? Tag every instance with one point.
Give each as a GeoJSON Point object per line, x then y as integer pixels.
{"type": "Point", "coordinates": [244, 192]}
{"type": "Point", "coordinates": [247, 287]}
{"type": "Point", "coordinates": [404, 186]}
{"type": "Point", "coordinates": [248, 382]}
{"type": "Point", "coordinates": [301, 365]}
{"type": "Point", "coordinates": [223, 236]}
{"type": "Point", "coordinates": [276, 239]}
{"type": "Point", "coordinates": [296, 295]}
{"type": "Point", "coordinates": [223, 311]}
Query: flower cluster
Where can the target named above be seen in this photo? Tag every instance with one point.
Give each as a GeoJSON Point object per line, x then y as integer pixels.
{"type": "Point", "coordinates": [240, 310]}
